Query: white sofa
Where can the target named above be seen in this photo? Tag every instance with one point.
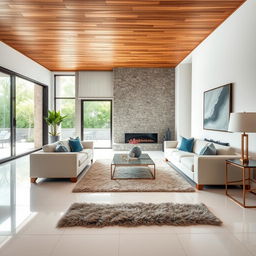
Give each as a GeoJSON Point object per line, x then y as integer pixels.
{"type": "Point", "coordinates": [47, 163]}
{"type": "Point", "coordinates": [202, 169]}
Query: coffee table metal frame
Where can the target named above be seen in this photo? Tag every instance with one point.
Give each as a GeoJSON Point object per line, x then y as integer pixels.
{"type": "Point", "coordinates": [132, 163]}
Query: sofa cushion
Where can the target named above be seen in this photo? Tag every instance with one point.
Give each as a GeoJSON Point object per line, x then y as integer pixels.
{"type": "Point", "coordinates": [217, 142]}
{"type": "Point", "coordinates": [87, 151]}
{"type": "Point", "coordinates": [208, 150]}
{"type": "Point", "coordinates": [75, 145]}
{"type": "Point", "coordinates": [66, 144]}
{"type": "Point", "coordinates": [199, 145]}
{"type": "Point", "coordinates": [186, 144]}
{"type": "Point", "coordinates": [221, 150]}
{"type": "Point", "coordinates": [224, 150]}
{"type": "Point", "coordinates": [82, 158]}
{"type": "Point", "coordinates": [61, 148]}
{"type": "Point", "coordinates": [177, 155]}
{"type": "Point", "coordinates": [188, 162]}
{"type": "Point", "coordinates": [169, 151]}
{"type": "Point", "coordinates": [50, 147]}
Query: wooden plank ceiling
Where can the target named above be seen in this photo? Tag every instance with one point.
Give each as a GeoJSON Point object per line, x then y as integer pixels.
{"type": "Point", "coordinates": [69, 35]}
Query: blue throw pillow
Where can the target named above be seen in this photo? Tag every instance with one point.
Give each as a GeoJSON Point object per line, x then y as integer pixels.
{"type": "Point", "coordinates": [208, 150]}
{"type": "Point", "coordinates": [61, 148]}
{"type": "Point", "coordinates": [75, 145]}
{"type": "Point", "coordinates": [186, 144]}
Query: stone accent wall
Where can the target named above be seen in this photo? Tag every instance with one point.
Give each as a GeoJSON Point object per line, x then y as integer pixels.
{"type": "Point", "coordinates": [144, 101]}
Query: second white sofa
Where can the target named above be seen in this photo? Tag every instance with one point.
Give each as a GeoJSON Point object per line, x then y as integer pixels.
{"type": "Point", "coordinates": [202, 169]}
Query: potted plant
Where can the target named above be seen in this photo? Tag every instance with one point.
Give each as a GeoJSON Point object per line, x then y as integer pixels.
{"type": "Point", "coordinates": [54, 120]}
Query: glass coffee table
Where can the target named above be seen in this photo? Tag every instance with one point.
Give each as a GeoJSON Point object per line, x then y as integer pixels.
{"type": "Point", "coordinates": [123, 160]}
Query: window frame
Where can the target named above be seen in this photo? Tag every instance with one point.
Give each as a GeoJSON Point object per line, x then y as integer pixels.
{"type": "Point", "coordinates": [61, 98]}
{"type": "Point", "coordinates": [13, 76]}
{"type": "Point", "coordinates": [111, 120]}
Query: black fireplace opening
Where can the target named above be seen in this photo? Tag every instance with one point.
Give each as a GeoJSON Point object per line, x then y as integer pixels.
{"type": "Point", "coordinates": [135, 138]}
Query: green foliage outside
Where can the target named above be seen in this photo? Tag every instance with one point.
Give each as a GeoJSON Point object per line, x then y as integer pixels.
{"type": "Point", "coordinates": [67, 107]}
{"type": "Point", "coordinates": [24, 104]}
{"type": "Point", "coordinates": [97, 114]}
{"type": "Point", "coordinates": [4, 102]}
{"type": "Point", "coordinates": [66, 88]}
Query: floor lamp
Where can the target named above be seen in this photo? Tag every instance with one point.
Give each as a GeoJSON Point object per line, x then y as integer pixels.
{"type": "Point", "coordinates": [243, 123]}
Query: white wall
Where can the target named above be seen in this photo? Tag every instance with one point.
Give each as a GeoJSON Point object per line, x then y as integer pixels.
{"type": "Point", "coordinates": [15, 61]}
{"type": "Point", "coordinates": [228, 55]}
{"type": "Point", "coordinates": [183, 100]}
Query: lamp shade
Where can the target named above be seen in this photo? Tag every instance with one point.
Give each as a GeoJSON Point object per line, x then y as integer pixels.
{"type": "Point", "coordinates": [242, 122]}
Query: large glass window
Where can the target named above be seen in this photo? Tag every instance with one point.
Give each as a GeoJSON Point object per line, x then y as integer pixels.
{"type": "Point", "coordinates": [5, 115]}
{"type": "Point", "coordinates": [21, 115]}
{"type": "Point", "coordinates": [65, 103]}
{"type": "Point", "coordinates": [29, 111]}
{"type": "Point", "coordinates": [96, 119]}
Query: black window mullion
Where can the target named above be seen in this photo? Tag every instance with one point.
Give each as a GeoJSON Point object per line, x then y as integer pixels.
{"type": "Point", "coordinates": [13, 115]}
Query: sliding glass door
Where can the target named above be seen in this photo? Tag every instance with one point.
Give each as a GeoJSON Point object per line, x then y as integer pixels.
{"type": "Point", "coordinates": [5, 115]}
{"type": "Point", "coordinates": [29, 111]}
{"type": "Point", "coordinates": [21, 115]}
{"type": "Point", "coordinates": [97, 122]}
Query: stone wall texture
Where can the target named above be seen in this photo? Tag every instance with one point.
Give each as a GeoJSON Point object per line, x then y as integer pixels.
{"type": "Point", "coordinates": [144, 101]}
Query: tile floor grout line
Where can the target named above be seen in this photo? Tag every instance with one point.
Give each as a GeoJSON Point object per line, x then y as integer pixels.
{"type": "Point", "coordinates": [54, 247]}
{"type": "Point", "coordinates": [182, 246]}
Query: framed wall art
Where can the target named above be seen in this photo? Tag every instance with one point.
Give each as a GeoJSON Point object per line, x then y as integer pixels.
{"type": "Point", "coordinates": [217, 108]}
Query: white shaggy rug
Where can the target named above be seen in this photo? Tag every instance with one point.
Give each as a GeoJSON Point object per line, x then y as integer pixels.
{"type": "Point", "coordinates": [97, 179]}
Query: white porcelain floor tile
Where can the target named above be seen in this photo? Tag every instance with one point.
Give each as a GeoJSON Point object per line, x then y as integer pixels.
{"type": "Point", "coordinates": [3, 240]}
{"type": "Point", "coordinates": [249, 240]}
{"type": "Point", "coordinates": [150, 245]}
{"type": "Point", "coordinates": [212, 245]}
{"type": "Point", "coordinates": [90, 231]}
{"type": "Point", "coordinates": [201, 229]}
{"type": "Point", "coordinates": [91, 245]}
{"type": "Point", "coordinates": [43, 224]}
{"type": "Point", "coordinates": [36, 209]}
{"type": "Point", "coordinates": [148, 230]}
{"type": "Point", "coordinates": [30, 246]}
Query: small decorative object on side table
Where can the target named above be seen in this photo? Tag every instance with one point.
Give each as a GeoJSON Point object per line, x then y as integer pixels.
{"type": "Point", "coordinates": [246, 180]}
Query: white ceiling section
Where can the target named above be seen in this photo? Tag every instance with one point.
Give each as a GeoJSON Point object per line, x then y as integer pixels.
{"type": "Point", "coordinates": [17, 62]}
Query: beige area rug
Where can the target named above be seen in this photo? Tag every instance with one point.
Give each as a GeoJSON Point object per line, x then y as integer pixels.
{"type": "Point", "coordinates": [137, 214]}
{"type": "Point", "coordinates": [97, 179]}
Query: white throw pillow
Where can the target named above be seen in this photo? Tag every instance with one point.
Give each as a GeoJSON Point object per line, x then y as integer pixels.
{"type": "Point", "coordinates": [179, 142]}
{"type": "Point", "coordinates": [50, 147]}
{"type": "Point", "coordinates": [66, 144]}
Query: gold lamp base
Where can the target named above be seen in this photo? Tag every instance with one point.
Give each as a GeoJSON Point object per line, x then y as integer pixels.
{"type": "Point", "coordinates": [244, 150]}
{"type": "Point", "coordinates": [244, 161]}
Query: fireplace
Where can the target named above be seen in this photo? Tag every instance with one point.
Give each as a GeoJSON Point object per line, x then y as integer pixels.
{"type": "Point", "coordinates": [140, 138]}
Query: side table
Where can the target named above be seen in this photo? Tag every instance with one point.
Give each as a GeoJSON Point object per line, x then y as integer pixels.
{"type": "Point", "coordinates": [246, 180]}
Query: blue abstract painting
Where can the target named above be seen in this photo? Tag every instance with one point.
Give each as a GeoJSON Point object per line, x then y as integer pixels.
{"type": "Point", "coordinates": [217, 107]}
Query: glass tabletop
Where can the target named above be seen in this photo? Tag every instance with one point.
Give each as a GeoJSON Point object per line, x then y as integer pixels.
{"type": "Point", "coordinates": [124, 159]}
{"type": "Point", "coordinates": [250, 164]}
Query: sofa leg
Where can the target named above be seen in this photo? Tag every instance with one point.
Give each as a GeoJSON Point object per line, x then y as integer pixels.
{"type": "Point", "coordinates": [166, 160]}
{"type": "Point", "coordinates": [74, 179]}
{"type": "Point", "coordinates": [33, 180]}
{"type": "Point", "coordinates": [199, 187]}
{"type": "Point", "coordinates": [91, 161]}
